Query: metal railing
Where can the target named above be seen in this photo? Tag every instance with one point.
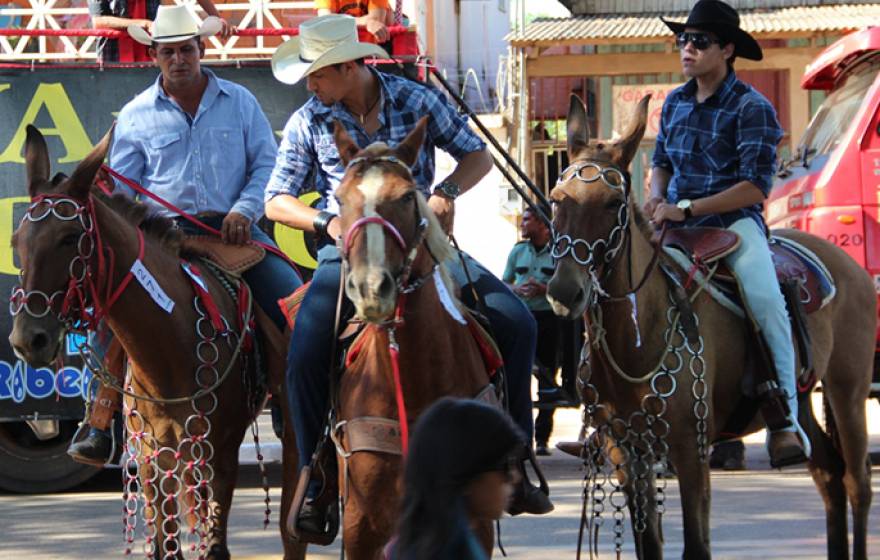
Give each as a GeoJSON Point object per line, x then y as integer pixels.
{"type": "Point", "coordinates": [64, 36]}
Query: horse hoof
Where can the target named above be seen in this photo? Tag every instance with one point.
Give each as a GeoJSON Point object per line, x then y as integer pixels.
{"type": "Point", "coordinates": [573, 448]}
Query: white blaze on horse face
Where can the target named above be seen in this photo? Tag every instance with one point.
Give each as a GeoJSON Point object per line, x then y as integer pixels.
{"type": "Point", "coordinates": [370, 187]}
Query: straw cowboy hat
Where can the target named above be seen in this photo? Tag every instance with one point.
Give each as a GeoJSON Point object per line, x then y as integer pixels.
{"type": "Point", "coordinates": [721, 19]}
{"type": "Point", "coordinates": [322, 41]}
{"type": "Point", "coordinates": [175, 23]}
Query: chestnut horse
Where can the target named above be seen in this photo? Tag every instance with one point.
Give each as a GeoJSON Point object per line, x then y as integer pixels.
{"type": "Point", "coordinates": [595, 206]}
{"type": "Point", "coordinates": [74, 241]}
{"type": "Point", "coordinates": [394, 250]}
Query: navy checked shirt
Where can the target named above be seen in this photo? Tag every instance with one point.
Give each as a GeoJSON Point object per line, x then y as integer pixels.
{"type": "Point", "coordinates": [307, 156]}
{"type": "Point", "coordinates": [711, 146]}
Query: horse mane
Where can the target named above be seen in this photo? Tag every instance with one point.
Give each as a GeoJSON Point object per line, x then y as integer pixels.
{"type": "Point", "coordinates": [641, 221]}
{"type": "Point", "coordinates": [155, 226]}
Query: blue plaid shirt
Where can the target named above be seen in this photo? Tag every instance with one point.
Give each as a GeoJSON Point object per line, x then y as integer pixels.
{"type": "Point", "coordinates": [308, 158]}
{"type": "Point", "coordinates": [711, 146]}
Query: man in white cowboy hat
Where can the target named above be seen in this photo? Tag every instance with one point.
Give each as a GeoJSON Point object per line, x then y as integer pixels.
{"type": "Point", "coordinates": [374, 107]}
{"type": "Point", "coordinates": [120, 14]}
{"type": "Point", "coordinates": [714, 164]}
{"type": "Point", "coordinates": [203, 144]}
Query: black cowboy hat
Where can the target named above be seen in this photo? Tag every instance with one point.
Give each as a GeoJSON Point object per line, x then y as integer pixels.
{"type": "Point", "coordinates": [721, 19]}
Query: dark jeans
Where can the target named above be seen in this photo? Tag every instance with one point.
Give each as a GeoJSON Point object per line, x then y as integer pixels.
{"type": "Point", "coordinates": [559, 344]}
{"type": "Point", "coordinates": [310, 345]}
{"type": "Point", "coordinates": [270, 280]}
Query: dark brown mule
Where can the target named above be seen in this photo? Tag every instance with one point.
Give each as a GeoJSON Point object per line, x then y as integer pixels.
{"type": "Point", "coordinates": [842, 334]}
{"type": "Point", "coordinates": [387, 221]}
{"type": "Point", "coordinates": [160, 345]}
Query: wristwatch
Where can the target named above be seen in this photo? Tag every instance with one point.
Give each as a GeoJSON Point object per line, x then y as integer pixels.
{"type": "Point", "coordinates": [686, 205]}
{"type": "Point", "coordinates": [447, 189]}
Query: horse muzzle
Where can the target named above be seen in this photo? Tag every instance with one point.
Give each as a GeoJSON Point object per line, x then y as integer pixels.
{"type": "Point", "coordinates": [373, 293]}
{"type": "Point", "coordinates": [36, 341]}
{"type": "Point", "coordinates": [567, 292]}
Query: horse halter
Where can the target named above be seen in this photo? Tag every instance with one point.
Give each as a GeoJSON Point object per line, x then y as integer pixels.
{"type": "Point", "coordinates": [408, 251]}
{"type": "Point", "coordinates": [71, 306]}
{"type": "Point", "coordinates": [586, 253]}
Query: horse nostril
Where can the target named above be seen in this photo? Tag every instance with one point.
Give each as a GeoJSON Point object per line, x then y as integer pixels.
{"type": "Point", "coordinates": [39, 341]}
{"type": "Point", "coordinates": [386, 286]}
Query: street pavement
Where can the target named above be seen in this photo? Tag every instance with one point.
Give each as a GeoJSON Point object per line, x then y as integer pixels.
{"type": "Point", "coordinates": [757, 513]}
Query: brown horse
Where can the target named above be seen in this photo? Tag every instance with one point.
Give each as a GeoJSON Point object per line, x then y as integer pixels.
{"type": "Point", "coordinates": [185, 444]}
{"type": "Point", "coordinates": [594, 205]}
{"type": "Point", "coordinates": [394, 249]}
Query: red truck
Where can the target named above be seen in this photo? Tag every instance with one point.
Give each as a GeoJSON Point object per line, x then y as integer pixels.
{"type": "Point", "coordinates": [831, 185]}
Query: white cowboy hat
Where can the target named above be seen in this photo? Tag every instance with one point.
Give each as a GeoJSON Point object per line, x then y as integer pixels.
{"type": "Point", "coordinates": [322, 41]}
{"type": "Point", "coordinates": [175, 23]}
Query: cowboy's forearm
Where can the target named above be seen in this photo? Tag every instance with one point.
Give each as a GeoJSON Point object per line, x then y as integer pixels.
{"type": "Point", "coordinates": [472, 167]}
{"type": "Point", "coordinates": [659, 182]}
{"type": "Point", "coordinates": [114, 22]}
{"type": "Point", "coordinates": [209, 7]}
{"type": "Point", "coordinates": [290, 211]}
{"type": "Point", "coordinates": [742, 195]}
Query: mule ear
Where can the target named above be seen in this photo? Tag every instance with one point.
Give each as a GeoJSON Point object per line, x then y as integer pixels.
{"type": "Point", "coordinates": [84, 175]}
{"type": "Point", "coordinates": [626, 147]}
{"type": "Point", "coordinates": [36, 159]}
{"type": "Point", "coordinates": [408, 150]}
{"type": "Point", "coordinates": [347, 147]}
{"type": "Point", "coordinates": [577, 127]}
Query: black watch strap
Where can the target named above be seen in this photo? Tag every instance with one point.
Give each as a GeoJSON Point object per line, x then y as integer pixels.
{"type": "Point", "coordinates": [322, 222]}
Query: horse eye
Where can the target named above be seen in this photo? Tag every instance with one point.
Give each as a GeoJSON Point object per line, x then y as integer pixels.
{"type": "Point", "coordinates": [69, 240]}
{"type": "Point", "coordinates": [408, 197]}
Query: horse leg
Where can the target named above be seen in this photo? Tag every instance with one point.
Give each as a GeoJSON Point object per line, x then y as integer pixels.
{"type": "Point", "coordinates": [695, 499]}
{"type": "Point", "coordinates": [641, 498]}
{"type": "Point", "coordinates": [848, 414]}
{"type": "Point", "coordinates": [223, 485]}
{"type": "Point", "coordinates": [826, 466]}
{"type": "Point", "coordinates": [293, 548]}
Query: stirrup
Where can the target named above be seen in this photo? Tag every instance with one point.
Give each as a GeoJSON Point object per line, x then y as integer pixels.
{"type": "Point", "coordinates": [321, 468]}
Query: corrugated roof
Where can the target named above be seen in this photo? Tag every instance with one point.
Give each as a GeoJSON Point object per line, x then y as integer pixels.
{"type": "Point", "coordinates": [610, 27]}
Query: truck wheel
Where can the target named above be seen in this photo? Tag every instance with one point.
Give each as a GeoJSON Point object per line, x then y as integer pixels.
{"type": "Point", "coordinates": [31, 466]}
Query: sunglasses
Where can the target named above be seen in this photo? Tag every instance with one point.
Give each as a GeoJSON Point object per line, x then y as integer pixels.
{"type": "Point", "coordinates": [701, 41]}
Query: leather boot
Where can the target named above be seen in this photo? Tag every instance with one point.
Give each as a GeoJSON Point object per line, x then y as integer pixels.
{"type": "Point", "coordinates": [785, 449]}
{"type": "Point", "coordinates": [94, 450]}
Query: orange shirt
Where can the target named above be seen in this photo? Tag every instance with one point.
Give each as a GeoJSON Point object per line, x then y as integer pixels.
{"type": "Point", "coordinates": [355, 8]}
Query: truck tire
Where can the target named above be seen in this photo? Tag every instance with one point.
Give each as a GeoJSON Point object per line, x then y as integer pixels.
{"type": "Point", "coordinates": [31, 466]}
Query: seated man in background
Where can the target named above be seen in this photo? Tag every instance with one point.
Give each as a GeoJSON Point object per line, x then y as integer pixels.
{"type": "Point", "coordinates": [374, 15]}
{"type": "Point", "coordinates": [119, 14]}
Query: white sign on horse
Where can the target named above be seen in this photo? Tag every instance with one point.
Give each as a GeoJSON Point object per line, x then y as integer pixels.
{"type": "Point", "coordinates": [151, 285]}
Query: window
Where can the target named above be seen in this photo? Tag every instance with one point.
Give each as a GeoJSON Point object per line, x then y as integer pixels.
{"type": "Point", "coordinates": [838, 112]}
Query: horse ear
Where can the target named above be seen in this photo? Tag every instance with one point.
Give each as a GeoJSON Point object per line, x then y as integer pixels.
{"type": "Point", "coordinates": [344, 143]}
{"type": "Point", "coordinates": [84, 175]}
{"type": "Point", "coordinates": [36, 159]}
{"type": "Point", "coordinates": [625, 148]}
{"type": "Point", "coordinates": [408, 150]}
{"type": "Point", "coordinates": [577, 127]}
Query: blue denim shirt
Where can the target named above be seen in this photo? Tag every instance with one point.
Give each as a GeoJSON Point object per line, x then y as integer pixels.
{"type": "Point", "coordinates": [218, 161]}
{"type": "Point", "coordinates": [308, 157]}
{"type": "Point", "coordinates": [709, 147]}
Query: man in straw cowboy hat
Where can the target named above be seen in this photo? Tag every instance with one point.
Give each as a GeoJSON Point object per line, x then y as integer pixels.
{"type": "Point", "coordinates": [203, 144]}
{"type": "Point", "coordinates": [713, 166]}
{"type": "Point", "coordinates": [373, 107]}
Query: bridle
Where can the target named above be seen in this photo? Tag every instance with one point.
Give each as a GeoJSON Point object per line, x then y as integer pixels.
{"type": "Point", "coordinates": [603, 252]}
{"type": "Point", "coordinates": [89, 293]}
{"type": "Point", "coordinates": [402, 279]}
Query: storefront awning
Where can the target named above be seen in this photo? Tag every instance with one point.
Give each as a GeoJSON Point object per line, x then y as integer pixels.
{"type": "Point", "coordinates": [642, 28]}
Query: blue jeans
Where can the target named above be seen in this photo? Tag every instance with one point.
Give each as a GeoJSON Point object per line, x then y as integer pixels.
{"type": "Point", "coordinates": [270, 280]}
{"type": "Point", "coordinates": [753, 265]}
{"type": "Point", "coordinates": [310, 345]}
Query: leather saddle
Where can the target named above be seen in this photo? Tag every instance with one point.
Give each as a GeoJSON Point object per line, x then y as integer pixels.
{"type": "Point", "coordinates": [794, 263]}
{"type": "Point", "coordinates": [235, 259]}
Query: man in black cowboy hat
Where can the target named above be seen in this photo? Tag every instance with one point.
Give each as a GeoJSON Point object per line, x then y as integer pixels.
{"type": "Point", "coordinates": [713, 166]}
